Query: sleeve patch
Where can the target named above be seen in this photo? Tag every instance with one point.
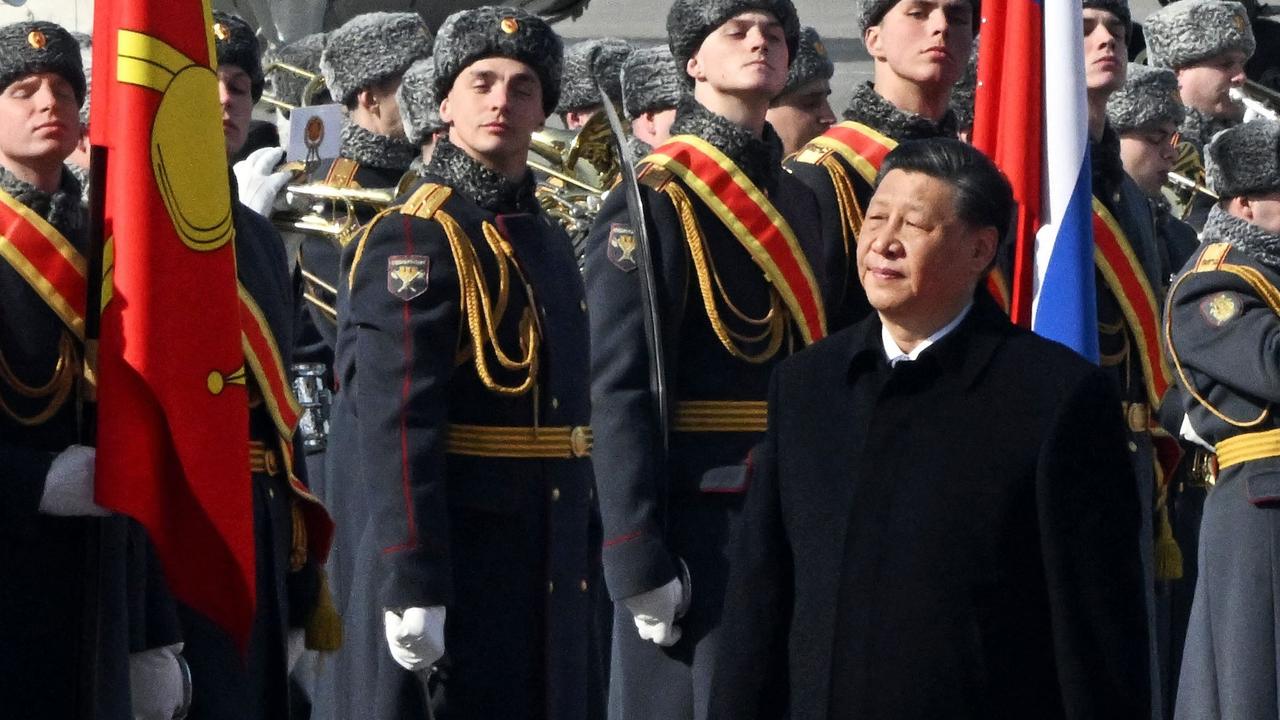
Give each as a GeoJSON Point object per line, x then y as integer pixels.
{"type": "Point", "coordinates": [407, 275]}
{"type": "Point", "coordinates": [622, 247]}
{"type": "Point", "coordinates": [1220, 308]}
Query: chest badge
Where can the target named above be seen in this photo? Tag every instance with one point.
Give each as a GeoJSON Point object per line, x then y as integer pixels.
{"type": "Point", "coordinates": [407, 275]}
{"type": "Point", "coordinates": [622, 247]}
{"type": "Point", "coordinates": [1220, 308]}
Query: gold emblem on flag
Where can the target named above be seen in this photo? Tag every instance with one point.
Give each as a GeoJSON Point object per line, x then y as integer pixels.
{"type": "Point", "coordinates": [37, 39]}
{"type": "Point", "coordinates": [509, 25]}
{"type": "Point", "coordinates": [188, 109]}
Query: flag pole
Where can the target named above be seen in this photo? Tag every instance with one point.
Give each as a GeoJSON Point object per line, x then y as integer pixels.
{"type": "Point", "coordinates": [101, 531]}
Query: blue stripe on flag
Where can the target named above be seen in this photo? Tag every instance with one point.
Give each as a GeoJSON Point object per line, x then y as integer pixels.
{"type": "Point", "coordinates": [1067, 307]}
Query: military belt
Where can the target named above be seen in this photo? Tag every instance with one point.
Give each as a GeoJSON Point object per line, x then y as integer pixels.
{"type": "Point", "coordinates": [1249, 446]}
{"type": "Point", "coordinates": [1137, 416]}
{"type": "Point", "coordinates": [263, 459]}
{"type": "Point", "coordinates": [518, 441]}
{"type": "Point", "coordinates": [696, 416]}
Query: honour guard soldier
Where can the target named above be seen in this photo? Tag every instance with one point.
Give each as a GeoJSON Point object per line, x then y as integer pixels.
{"type": "Point", "coordinates": [588, 66]}
{"type": "Point", "coordinates": [919, 48]}
{"type": "Point", "coordinates": [1145, 113]}
{"type": "Point", "coordinates": [725, 233]}
{"type": "Point", "coordinates": [803, 111]}
{"type": "Point", "coordinates": [461, 420]}
{"type": "Point", "coordinates": [45, 657]}
{"type": "Point", "coordinates": [291, 528]}
{"type": "Point", "coordinates": [1129, 283]}
{"type": "Point", "coordinates": [1206, 43]}
{"type": "Point", "coordinates": [651, 89]}
{"type": "Point", "coordinates": [362, 64]}
{"type": "Point", "coordinates": [1223, 318]}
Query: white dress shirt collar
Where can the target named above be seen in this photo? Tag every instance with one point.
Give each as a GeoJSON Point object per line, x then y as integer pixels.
{"type": "Point", "coordinates": [895, 353]}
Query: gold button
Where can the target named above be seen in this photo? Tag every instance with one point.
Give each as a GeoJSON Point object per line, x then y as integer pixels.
{"type": "Point", "coordinates": [37, 39]}
{"type": "Point", "coordinates": [509, 25]}
{"type": "Point", "coordinates": [551, 587]}
{"type": "Point", "coordinates": [582, 305]}
{"type": "Point", "coordinates": [1133, 446]}
{"type": "Point", "coordinates": [582, 586]}
{"type": "Point", "coordinates": [555, 403]}
{"type": "Point", "coordinates": [555, 494]}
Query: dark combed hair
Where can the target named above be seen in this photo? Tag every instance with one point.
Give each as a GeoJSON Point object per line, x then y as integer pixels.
{"type": "Point", "coordinates": [982, 194]}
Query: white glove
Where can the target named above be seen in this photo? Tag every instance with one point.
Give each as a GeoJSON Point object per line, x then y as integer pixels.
{"type": "Point", "coordinates": [157, 683]}
{"type": "Point", "coordinates": [258, 185]}
{"type": "Point", "coordinates": [1189, 434]}
{"type": "Point", "coordinates": [655, 612]}
{"type": "Point", "coordinates": [416, 639]}
{"type": "Point", "coordinates": [68, 486]}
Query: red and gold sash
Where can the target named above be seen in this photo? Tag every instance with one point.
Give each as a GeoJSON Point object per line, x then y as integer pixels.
{"type": "Point", "coordinates": [262, 355]}
{"type": "Point", "coordinates": [1128, 283]}
{"type": "Point", "coordinates": [860, 146]}
{"type": "Point", "coordinates": [50, 264]}
{"type": "Point", "coordinates": [747, 212]}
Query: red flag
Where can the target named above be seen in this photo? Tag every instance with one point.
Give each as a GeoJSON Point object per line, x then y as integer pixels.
{"type": "Point", "coordinates": [1008, 124]}
{"type": "Point", "coordinates": [173, 437]}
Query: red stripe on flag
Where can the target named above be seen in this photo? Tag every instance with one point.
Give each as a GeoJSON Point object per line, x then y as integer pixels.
{"type": "Point", "coordinates": [1008, 124]}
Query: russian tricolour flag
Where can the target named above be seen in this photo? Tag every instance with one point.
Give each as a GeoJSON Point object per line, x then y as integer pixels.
{"type": "Point", "coordinates": [1032, 118]}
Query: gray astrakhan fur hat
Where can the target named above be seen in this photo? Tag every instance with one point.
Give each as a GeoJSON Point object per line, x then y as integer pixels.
{"type": "Point", "coordinates": [471, 35]}
{"type": "Point", "coordinates": [1149, 96]}
{"type": "Point", "coordinates": [810, 63]}
{"type": "Point", "coordinates": [238, 45]}
{"type": "Point", "coordinates": [1244, 160]}
{"type": "Point", "coordinates": [689, 22]}
{"type": "Point", "coordinates": [419, 108]}
{"type": "Point", "coordinates": [304, 54]}
{"type": "Point", "coordinates": [1187, 32]}
{"type": "Point", "coordinates": [871, 12]}
{"type": "Point", "coordinates": [370, 48]}
{"type": "Point", "coordinates": [37, 46]}
{"type": "Point", "coordinates": [589, 63]}
{"type": "Point", "coordinates": [650, 81]}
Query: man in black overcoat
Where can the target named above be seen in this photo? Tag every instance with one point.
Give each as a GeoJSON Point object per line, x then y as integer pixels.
{"type": "Point", "coordinates": [942, 519]}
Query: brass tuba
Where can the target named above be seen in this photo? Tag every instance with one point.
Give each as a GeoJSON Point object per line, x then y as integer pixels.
{"type": "Point", "coordinates": [574, 169]}
{"type": "Point", "coordinates": [328, 211]}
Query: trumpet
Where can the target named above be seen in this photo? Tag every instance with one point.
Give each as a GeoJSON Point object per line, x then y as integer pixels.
{"type": "Point", "coordinates": [1259, 100]}
{"type": "Point", "coordinates": [324, 210]}
{"type": "Point", "coordinates": [1185, 183]}
{"type": "Point", "coordinates": [315, 84]}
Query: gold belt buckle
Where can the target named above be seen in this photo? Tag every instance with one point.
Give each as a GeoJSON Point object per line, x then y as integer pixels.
{"type": "Point", "coordinates": [1138, 415]}
{"type": "Point", "coordinates": [579, 442]}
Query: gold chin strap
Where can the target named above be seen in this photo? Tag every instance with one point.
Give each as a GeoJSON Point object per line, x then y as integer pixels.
{"type": "Point", "coordinates": [772, 328]}
{"type": "Point", "coordinates": [56, 390]}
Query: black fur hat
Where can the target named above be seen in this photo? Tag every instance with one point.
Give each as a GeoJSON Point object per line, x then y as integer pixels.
{"type": "Point", "coordinates": [419, 107]}
{"type": "Point", "coordinates": [810, 63]}
{"type": "Point", "coordinates": [238, 45]}
{"type": "Point", "coordinates": [1119, 8]}
{"type": "Point", "coordinates": [303, 53]}
{"type": "Point", "coordinates": [689, 22]}
{"type": "Point", "coordinates": [470, 35]}
{"type": "Point", "coordinates": [36, 46]}
{"type": "Point", "coordinates": [1244, 160]}
{"type": "Point", "coordinates": [371, 48]}
{"type": "Point", "coordinates": [587, 64]}
{"type": "Point", "coordinates": [871, 12]}
{"type": "Point", "coordinates": [650, 81]}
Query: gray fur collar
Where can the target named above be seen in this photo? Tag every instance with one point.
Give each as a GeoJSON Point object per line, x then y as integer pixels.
{"type": "Point", "coordinates": [871, 109]}
{"type": "Point", "coordinates": [63, 209]}
{"type": "Point", "coordinates": [760, 159]}
{"type": "Point", "coordinates": [1222, 226]}
{"type": "Point", "coordinates": [82, 176]}
{"type": "Point", "coordinates": [418, 166]}
{"type": "Point", "coordinates": [638, 149]}
{"type": "Point", "coordinates": [1199, 128]}
{"type": "Point", "coordinates": [375, 150]}
{"type": "Point", "coordinates": [486, 187]}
